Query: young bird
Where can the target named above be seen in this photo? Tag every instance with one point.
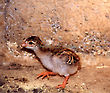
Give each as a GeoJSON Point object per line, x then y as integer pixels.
{"type": "Point", "coordinates": [59, 60]}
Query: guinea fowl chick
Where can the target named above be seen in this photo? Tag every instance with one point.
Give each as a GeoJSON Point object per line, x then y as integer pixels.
{"type": "Point", "coordinates": [59, 60]}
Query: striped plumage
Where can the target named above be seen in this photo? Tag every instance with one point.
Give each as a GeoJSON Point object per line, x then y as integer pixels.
{"type": "Point", "coordinates": [59, 60]}
{"type": "Point", "coordinates": [71, 57]}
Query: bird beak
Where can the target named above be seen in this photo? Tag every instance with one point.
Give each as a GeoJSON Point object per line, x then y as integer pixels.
{"type": "Point", "coordinates": [23, 44]}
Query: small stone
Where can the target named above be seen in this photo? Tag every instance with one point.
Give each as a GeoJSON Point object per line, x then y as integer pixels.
{"type": "Point", "coordinates": [35, 90]}
{"type": "Point", "coordinates": [21, 90]}
{"type": "Point", "coordinates": [15, 8]}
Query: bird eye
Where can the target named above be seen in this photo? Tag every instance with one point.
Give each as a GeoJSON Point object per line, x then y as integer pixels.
{"type": "Point", "coordinates": [31, 43]}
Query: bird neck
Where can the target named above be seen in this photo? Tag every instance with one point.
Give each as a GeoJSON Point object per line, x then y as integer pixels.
{"type": "Point", "coordinates": [40, 53]}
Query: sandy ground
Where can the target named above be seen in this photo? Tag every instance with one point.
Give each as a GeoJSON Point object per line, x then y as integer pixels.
{"type": "Point", "coordinates": [84, 28]}
{"type": "Point", "coordinates": [18, 77]}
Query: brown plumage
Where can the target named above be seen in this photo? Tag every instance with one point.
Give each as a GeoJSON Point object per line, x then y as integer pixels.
{"type": "Point", "coordinates": [59, 60]}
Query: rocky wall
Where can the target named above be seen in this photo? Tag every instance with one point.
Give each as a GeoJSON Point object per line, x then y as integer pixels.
{"type": "Point", "coordinates": [80, 25]}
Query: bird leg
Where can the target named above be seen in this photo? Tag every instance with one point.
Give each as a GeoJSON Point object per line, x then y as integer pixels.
{"type": "Point", "coordinates": [46, 74]}
{"type": "Point", "coordinates": [64, 83]}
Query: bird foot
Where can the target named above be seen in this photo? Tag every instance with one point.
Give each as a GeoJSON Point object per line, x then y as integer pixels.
{"type": "Point", "coordinates": [45, 74]}
{"type": "Point", "coordinates": [64, 83]}
{"type": "Point", "coordinates": [61, 86]}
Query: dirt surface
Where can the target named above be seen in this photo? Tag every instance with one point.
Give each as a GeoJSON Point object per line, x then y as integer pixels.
{"type": "Point", "coordinates": [81, 25]}
{"type": "Point", "coordinates": [16, 78]}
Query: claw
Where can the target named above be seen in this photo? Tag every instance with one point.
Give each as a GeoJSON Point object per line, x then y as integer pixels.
{"type": "Point", "coordinates": [45, 74]}
{"type": "Point", "coordinates": [60, 86]}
